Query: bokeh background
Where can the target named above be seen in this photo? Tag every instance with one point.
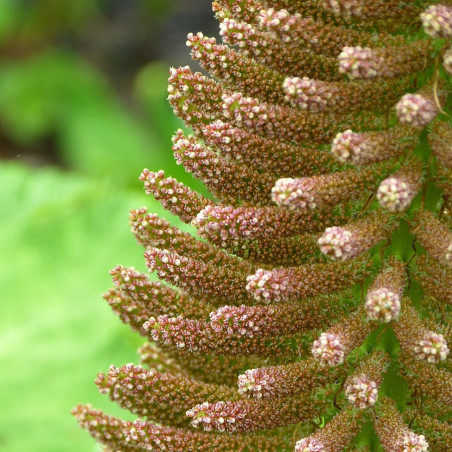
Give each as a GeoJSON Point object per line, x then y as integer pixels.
{"type": "Point", "coordinates": [82, 111]}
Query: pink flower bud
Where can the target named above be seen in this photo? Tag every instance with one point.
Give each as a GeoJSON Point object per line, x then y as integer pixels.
{"type": "Point", "coordinates": [382, 305]}
{"type": "Point", "coordinates": [437, 21]}
{"type": "Point", "coordinates": [362, 392]}
{"type": "Point", "coordinates": [447, 60]}
{"type": "Point", "coordinates": [416, 110]}
{"type": "Point", "coordinates": [309, 445]}
{"type": "Point", "coordinates": [351, 147]}
{"type": "Point", "coordinates": [358, 62]}
{"type": "Point", "coordinates": [307, 93]}
{"type": "Point", "coordinates": [432, 348]}
{"type": "Point", "coordinates": [329, 349]}
{"type": "Point", "coordinates": [414, 443]}
{"type": "Point", "coordinates": [395, 194]}
{"type": "Point", "coordinates": [337, 243]}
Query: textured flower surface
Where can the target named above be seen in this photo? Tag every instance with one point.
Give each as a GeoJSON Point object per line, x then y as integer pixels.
{"type": "Point", "coordinates": [382, 304]}
{"type": "Point", "coordinates": [362, 392]}
{"type": "Point", "coordinates": [329, 349]}
{"type": "Point", "coordinates": [437, 21]}
{"type": "Point", "coordinates": [336, 243]}
{"type": "Point", "coordinates": [432, 347]}
{"type": "Point", "coordinates": [312, 312]}
{"type": "Point", "coordinates": [416, 109]}
{"type": "Point", "coordinates": [414, 443]}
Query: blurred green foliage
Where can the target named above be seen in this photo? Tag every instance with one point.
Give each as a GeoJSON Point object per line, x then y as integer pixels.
{"type": "Point", "coordinates": [61, 232]}
{"type": "Point", "coordinates": [65, 225]}
{"type": "Point", "coordinates": [56, 94]}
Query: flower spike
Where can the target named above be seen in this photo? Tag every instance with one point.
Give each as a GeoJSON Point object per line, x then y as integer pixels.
{"type": "Point", "coordinates": [348, 242]}
{"type": "Point", "coordinates": [384, 296]}
{"type": "Point", "coordinates": [334, 436]}
{"type": "Point", "coordinates": [315, 295]}
{"type": "Point", "coordinates": [435, 237]}
{"type": "Point", "coordinates": [394, 435]}
{"type": "Point", "coordinates": [332, 347]}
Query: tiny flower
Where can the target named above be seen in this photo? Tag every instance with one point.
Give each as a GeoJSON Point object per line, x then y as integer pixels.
{"type": "Point", "coordinates": [357, 62]}
{"type": "Point", "coordinates": [395, 194]}
{"type": "Point", "coordinates": [350, 147]}
{"type": "Point", "coordinates": [382, 305]}
{"type": "Point", "coordinates": [199, 416]}
{"type": "Point", "coordinates": [345, 8]}
{"type": "Point", "coordinates": [416, 110]}
{"type": "Point", "coordinates": [447, 60]}
{"type": "Point", "coordinates": [309, 445]}
{"type": "Point", "coordinates": [257, 284]}
{"type": "Point", "coordinates": [432, 348]}
{"type": "Point", "coordinates": [294, 193]}
{"type": "Point", "coordinates": [437, 21]}
{"type": "Point", "coordinates": [247, 383]}
{"type": "Point", "coordinates": [329, 349]}
{"type": "Point", "coordinates": [362, 392]}
{"type": "Point", "coordinates": [307, 93]}
{"type": "Point", "coordinates": [414, 443]}
{"type": "Point", "coordinates": [337, 243]}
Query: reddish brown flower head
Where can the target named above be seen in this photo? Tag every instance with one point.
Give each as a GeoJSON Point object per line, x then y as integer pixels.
{"type": "Point", "coordinates": [358, 62]}
{"type": "Point", "coordinates": [307, 93]}
{"type": "Point", "coordinates": [370, 147]}
{"type": "Point", "coordinates": [394, 435]}
{"type": "Point", "coordinates": [384, 62]}
{"type": "Point", "coordinates": [334, 437]}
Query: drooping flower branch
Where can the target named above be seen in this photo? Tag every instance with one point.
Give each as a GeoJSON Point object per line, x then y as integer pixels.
{"type": "Point", "coordinates": [313, 311]}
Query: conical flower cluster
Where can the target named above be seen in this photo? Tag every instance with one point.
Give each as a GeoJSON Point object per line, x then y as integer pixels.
{"type": "Point", "coordinates": [313, 310]}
